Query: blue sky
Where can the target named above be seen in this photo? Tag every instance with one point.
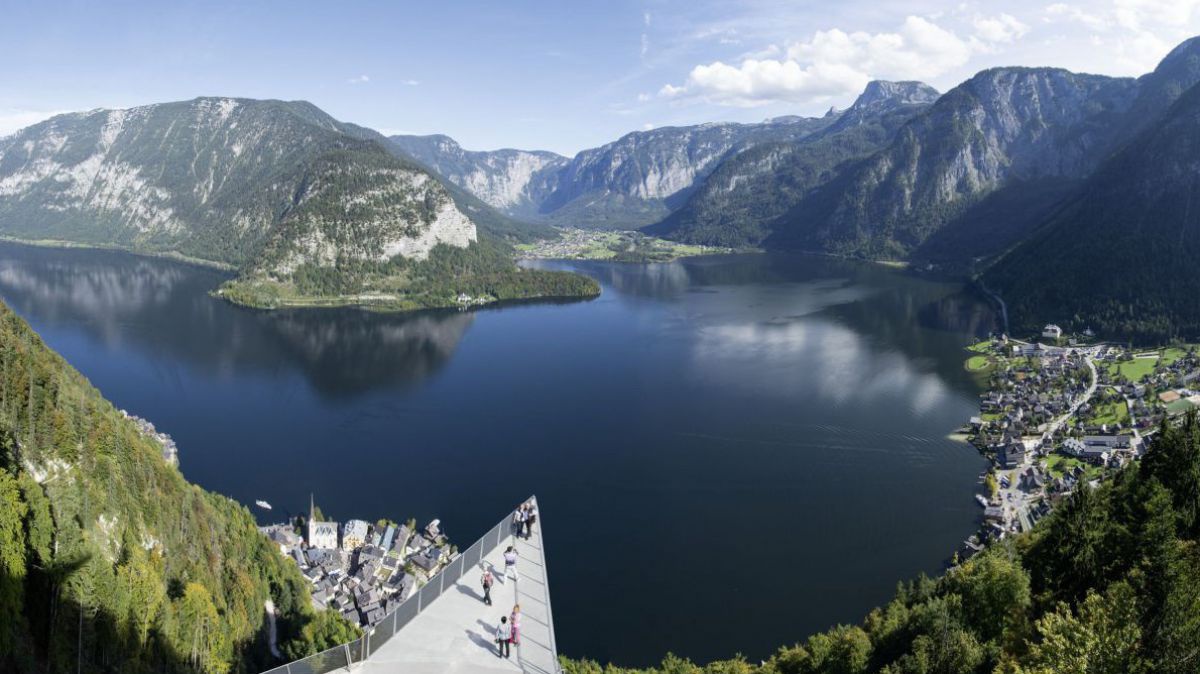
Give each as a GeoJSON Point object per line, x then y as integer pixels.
{"type": "Point", "coordinates": [558, 75]}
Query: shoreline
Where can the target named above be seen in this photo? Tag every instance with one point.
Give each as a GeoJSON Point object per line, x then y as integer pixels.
{"type": "Point", "coordinates": [628, 246]}
{"type": "Point", "coordinates": [382, 305]}
{"type": "Point", "coordinates": [164, 255]}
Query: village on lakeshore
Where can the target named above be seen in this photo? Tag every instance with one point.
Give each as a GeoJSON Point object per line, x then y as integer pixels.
{"type": "Point", "coordinates": [1063, 412]}
{"type": "Point", "coordinates": [362, 570]}
{"type": "Point", "coordinates": [617, 246]}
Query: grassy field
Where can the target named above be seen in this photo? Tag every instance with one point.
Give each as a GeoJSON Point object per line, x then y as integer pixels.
{"type": "Point", "coordinates": [1172, 354]}
{"type": "Point", "coordinates": [1060, 464]}
{"type": "Point", "coordinates": [981, 347]}
{"type": "Point", "coordinates": [1134, 370]}
{"type": "Point", "coordinates": [1111, 413]}
{"type": "Point", "coordinates": [1179, 407]}
{"type": "Point", "coordinates": [978, 363]}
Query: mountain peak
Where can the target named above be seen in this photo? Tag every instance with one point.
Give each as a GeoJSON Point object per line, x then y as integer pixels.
{"type": "Point", "coordinates": [880, 92]}
{"type": "Point", "coordinates": [1189, 48]}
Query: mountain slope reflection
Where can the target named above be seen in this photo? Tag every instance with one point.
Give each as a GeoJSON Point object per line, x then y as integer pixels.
{"type": "Point", "coordinates": [162, 308]}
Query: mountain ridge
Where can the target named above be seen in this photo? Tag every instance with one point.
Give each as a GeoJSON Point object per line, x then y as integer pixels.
{"type": "Point", "coordinates": [283, 192]}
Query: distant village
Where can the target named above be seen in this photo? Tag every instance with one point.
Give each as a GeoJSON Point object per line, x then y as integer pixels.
{"type": "Point", "coordinates": [359, 569]}
{"type": "Point", "coordinates": [1062, 412]}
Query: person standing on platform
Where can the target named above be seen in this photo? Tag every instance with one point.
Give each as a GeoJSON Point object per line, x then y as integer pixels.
{"type": "Point", "coordinates": [487, 581]}
{"type": "Point", "coordinates": [503, 637]}
{"type": "Point", "coordinates": [510, 563]}
{"type": "Point", "coordinates": [515, 622]}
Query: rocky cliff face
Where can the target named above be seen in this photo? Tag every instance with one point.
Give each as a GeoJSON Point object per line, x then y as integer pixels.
{"type": "Point", "coordinates": [515, 181]}
{"type": "Point", "coordinates": [743, 200]}
{"type": "Point", "coordinates": [635, 180]}
{"type": "Point", "coordinates": [882, 94]}
{"type": "Point", "coordinates": [1001, 126]}
{"type": "Point", "coordinates": [1119, 254]}
{"type": "Point", "coordinates": [225, 180]}
{"type": "Point", "coordinates": [363, 209]}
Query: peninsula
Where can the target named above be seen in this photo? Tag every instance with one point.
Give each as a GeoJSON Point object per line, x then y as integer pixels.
{"type": "Point", "coordinates": [308, 210]}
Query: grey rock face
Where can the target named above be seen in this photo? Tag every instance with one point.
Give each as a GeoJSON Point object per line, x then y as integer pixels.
{"type": "Point", "coordinates": [216, 178]}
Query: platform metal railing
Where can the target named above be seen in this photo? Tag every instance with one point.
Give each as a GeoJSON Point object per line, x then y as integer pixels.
{"type": "Point", "coordinates": [346, 655]}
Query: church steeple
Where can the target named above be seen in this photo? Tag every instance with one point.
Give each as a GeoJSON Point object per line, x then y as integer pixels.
{"type": "Point", "coordinates": [309, 524]}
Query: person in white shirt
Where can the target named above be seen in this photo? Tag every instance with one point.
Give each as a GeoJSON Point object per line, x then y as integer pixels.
{"type": "Point", "coordinates": [510, 563]}
{"type": "Point", "coordinates": [503, 637]}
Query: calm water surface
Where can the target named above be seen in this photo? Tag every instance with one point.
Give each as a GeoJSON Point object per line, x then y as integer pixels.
{"type": "Point", "coordinates": [730, 452]}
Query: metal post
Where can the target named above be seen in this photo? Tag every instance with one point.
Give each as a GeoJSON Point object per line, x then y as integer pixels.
{"type": "Point", "coordinates": [346, 652]}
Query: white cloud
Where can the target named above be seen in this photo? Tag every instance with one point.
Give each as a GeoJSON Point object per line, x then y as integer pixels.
{"type": "Point", "coordinates": [361, 79]}
{"type": "Point", "coordinates": [645, 37]}
{"type": "Point", "coordinates": [1004, 28]}
{"type": "Point", "coordinates": [410, 83]}
{"type": "Point", "coordinates": [12, 120]}
{"type": "Point", "coordinates": [647, 126]}
{"type": "Point", "coordinates": [722, 34]}
{"type": "Point", "coordinates": [1060, 11]}
{"type": "Point", "coordinates": [1134, 35]}
{"type": "Point", "coordinates": [832, 63]}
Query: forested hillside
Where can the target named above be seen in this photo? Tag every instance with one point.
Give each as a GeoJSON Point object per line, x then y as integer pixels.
{"type": "Point", "coordinates": [1120, 257]}
{"type": "Point", "coordinates": [109, 560]}
{"type": "Point", "coordinates": [1109, 583]}
{"type": "Point", "coordinates": [483, 271]}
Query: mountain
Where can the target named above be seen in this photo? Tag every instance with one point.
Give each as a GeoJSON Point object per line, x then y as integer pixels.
{"type": "Point", "coordinates": [214, 179]}
{"type": "Point", "coordinates": [1002, 126]}
{"type": "Point", "coordinates": [271, 188]}
{"type": "Point", "coordinates": [748, 195]}
{"type": "Point", "coordinates": [959, 183]}
{"type": "Point", "coordinates": [109, 560]}
{"type": "Point", "coordinates": [516, 181]}
{"type": "Point", "coordinates": [633, 181]}
{"type": "Point", "coordinates": [1120, 255]}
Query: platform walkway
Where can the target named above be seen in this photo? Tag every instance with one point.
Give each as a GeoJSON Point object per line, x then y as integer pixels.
{"type": "Point", "coordinates": [456, 631]}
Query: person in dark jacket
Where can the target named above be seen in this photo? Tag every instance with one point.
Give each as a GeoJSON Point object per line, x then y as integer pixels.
{"type": "Point", "coordinates": [530, 519]}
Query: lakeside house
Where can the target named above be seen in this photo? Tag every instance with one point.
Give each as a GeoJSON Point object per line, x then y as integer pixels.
{"type": "Point", "coordinates": [1012, 454]}
{"type": "Point", "coordinates": [354, 535]}
{"type": "Point", "coordinates": [1052, 331]}
{"type": "Point", "coordinates": [283, 536]}
{"type": "Point", "coordinates": [388, 535]}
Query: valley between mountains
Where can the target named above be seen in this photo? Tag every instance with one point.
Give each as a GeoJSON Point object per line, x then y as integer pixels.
{"type": "Point", "coordinates": [1022, 179]}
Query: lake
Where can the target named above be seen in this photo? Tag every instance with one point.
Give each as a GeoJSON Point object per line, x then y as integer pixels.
{"type": "Point", "coordinates": [730, 452]}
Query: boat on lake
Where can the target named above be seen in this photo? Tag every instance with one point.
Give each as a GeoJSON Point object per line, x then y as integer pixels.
{"type": "Point", "coordinates": [263, 504]}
